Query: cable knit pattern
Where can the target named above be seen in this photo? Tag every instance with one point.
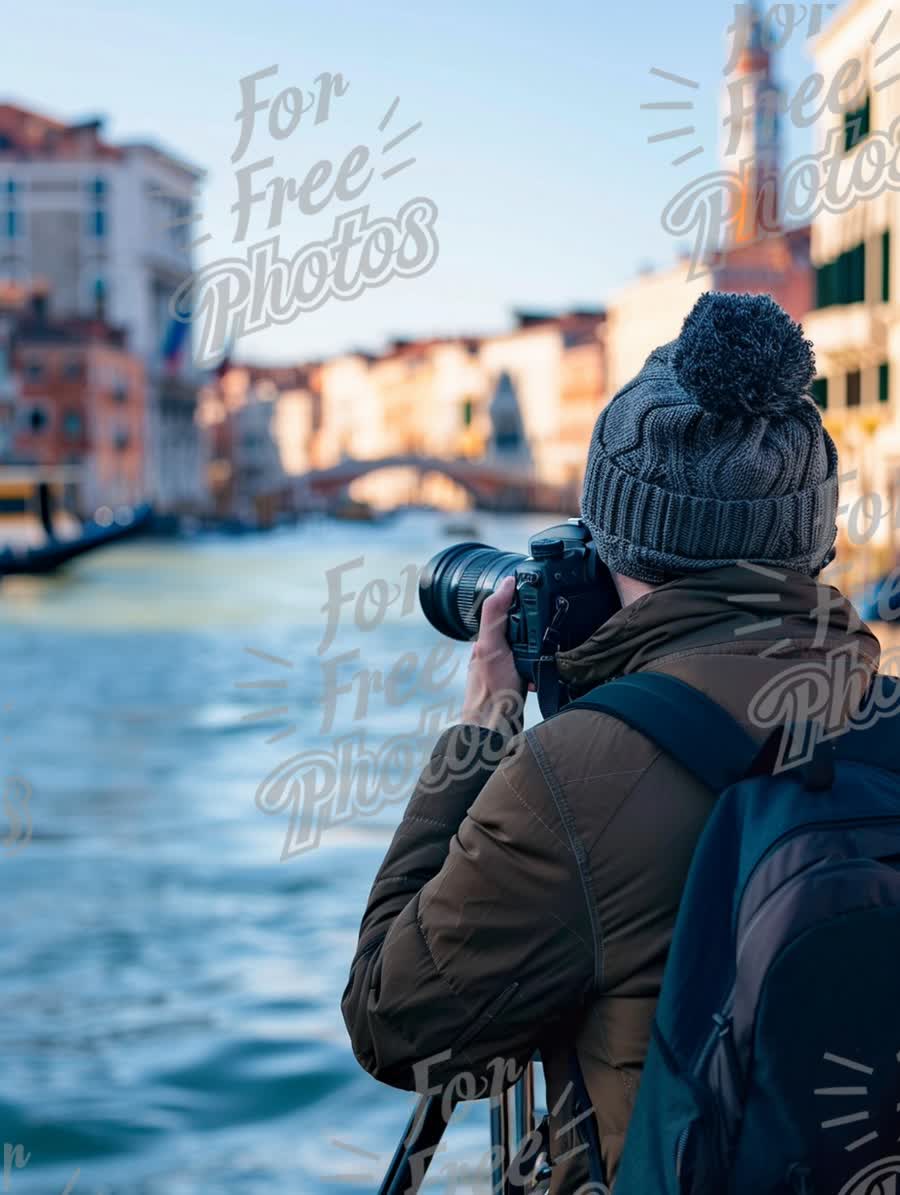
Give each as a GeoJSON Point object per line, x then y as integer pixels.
{"type": "Point", "coordinates": [675, 485]}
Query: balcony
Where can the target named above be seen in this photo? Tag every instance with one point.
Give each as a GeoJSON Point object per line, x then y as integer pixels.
{"type": "Point", "coordinates": [851, 336]}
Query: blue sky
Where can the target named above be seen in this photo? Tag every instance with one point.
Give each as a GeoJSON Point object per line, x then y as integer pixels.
{"type": "Point", "coordinates": [533, 144]}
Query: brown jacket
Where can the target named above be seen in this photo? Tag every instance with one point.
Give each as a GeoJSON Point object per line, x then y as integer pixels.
{"type": "Point", "coordinates": [530, 906]}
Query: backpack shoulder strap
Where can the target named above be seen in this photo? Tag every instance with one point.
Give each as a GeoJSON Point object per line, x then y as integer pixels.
{"type": "Point", "coordinates": [683, 722]}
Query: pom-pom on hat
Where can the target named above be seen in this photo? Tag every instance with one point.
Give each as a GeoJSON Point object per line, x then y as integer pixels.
{"type": "Point", "coordinates": [715, 453]}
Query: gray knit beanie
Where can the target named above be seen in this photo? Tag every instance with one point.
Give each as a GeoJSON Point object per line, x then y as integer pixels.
{"type": "Point", "coordinates": [715, 453]}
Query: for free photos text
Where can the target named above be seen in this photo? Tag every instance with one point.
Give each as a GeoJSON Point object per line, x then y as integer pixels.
{"type": "Point", "coordinates": [237, 295]}
{"type": "Point", "coordinates": [829, 180]}
{"type": "Point", "coordinates": [325, 787]}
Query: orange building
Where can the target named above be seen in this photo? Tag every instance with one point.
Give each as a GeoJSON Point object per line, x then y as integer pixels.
{"type": "Point", "coordinates": [777, 265]}
{"type": "Point", "coordinates": [81, 402]}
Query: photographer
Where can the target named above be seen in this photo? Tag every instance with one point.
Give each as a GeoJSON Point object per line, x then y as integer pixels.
{"type": "Point", "coordinates": [529, 904]}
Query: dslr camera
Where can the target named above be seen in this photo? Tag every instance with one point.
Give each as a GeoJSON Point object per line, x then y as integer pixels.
{"type": "Point", "coordinates": [564, 592]}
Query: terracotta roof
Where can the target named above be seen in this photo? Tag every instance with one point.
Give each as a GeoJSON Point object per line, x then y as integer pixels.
{"type": "Point", "coordinates": [31, 135]}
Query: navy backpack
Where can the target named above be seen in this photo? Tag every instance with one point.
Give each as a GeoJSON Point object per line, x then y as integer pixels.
{"type": "Point", "coordinates": [774, 1064]}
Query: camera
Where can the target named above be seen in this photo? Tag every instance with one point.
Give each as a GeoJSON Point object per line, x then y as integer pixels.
{"type": "Point", "coordinates": [564, 592]}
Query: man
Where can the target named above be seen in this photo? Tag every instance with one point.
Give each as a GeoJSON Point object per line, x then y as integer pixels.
{"type": "Point", "coordinates": [530, 905]}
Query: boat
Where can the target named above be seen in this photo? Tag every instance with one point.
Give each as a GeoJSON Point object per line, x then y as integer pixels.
{"type": "Point", "coordinates": [28, 507]}
{"type": "Point", "coordinates": [461, 529]}
{"type": "Point", "coordinates": [48, 557]}
{"type": "Point", "coordinates": [351, 511]}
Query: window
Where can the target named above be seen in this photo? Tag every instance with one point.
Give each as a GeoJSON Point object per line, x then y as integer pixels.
{"type": "Point", "coordinates": [72, 425]}
{"type": "Point", "coordinates": [825, 284]}
{"type": "Point", "coordinates": [37, 420]}
{"type": "Point", "coordinates": [854, 388]}
{"type": "Point", "coordinates": [53, 186]}
{"type": "Point", "coordinates": [97, 223]}
{"type": "Point", "coordinates": [99, 295]}
{"type": "Point", "coordinates": [179, 226]}
{"type": "Point", "coordinates": [884, 382]}
{"type": "Point", "coordinates": [97, 187]}
{"type": "Point", "coordinates": [820, 393]}
{"type": "Point", "coordinates": [34, 371]}
{"type": "Point", "coordinates": [73, 370]}
{"type": "Point", "coordinates": [12, 221]}
{"type": "Point", "coordinates": [842, 280]}
{"type": "Point", "coordinates": [467, 413]}
{"type": "Point", "coordinates": [121, 439]}
{"type": "Point", "coordinates": [857, 124]}
{"type": "Point", "coordinates": [120, 392]}
{"type": "Point", "coordinates": [886, 265]}
{"type": "Point", "coordinates": [852, 275]}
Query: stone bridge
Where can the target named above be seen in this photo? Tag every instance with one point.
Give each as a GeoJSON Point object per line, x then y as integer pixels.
{"type": "Point", "coordinates": [493, 485]}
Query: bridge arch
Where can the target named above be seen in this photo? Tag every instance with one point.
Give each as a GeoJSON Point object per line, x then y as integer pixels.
{"type": "Point", "coordinates": [492, 485]}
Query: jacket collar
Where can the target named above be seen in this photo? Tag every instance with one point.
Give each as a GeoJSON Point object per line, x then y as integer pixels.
{"type": "Point", "coordinates": [737, 610]}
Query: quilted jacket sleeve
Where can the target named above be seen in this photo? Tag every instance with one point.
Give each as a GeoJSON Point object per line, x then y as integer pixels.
{"type": "Point", "coordinates": [477, 937]}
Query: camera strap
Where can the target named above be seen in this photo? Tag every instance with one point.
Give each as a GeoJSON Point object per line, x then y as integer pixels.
{"type": "Point", "coordinates": [551, 692]}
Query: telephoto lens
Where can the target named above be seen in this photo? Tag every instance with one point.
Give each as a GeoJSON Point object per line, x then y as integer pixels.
{"type": "Point", "coordinates": [456, 581]}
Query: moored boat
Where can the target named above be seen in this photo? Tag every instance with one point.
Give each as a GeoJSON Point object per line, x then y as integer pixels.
{"type": "Point", "coordinates": [47, 557]}
{"type": "Point", "coordinates": [41, 531]}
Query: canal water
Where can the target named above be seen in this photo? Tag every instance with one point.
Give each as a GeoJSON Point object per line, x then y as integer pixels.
{"type": "Point", "coordinates": [169, 984]}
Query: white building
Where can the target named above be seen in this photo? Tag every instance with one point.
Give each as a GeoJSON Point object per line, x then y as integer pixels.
{"type": "Point", "coordinates": [109, 228]}
{"type": "Point", "coordinates": [292, 430]}
{"type": "Point", "coordinates": [353, 417]}
{"type": "Point", "coordinates": [855, 324]}
{"type": "Point", "coordinates": [646, 313]}
{"type": "Point", "coordinates": [256, 460]}
{"type": "Point", "coordinates": [536, 401]}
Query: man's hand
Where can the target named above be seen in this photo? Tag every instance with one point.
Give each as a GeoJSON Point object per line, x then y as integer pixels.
{"type": "Point", "coordinates": [495, 693]}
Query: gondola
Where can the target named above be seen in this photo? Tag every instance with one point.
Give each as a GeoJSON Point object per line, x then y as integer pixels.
{"type": "Point", "coordinates": [54, 553]}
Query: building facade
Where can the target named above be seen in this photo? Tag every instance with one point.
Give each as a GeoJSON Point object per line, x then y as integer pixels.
{"type": "Point", "coordinates": [854, 321]}
{"type": "Point", "coordinates": [81, 402]}
{"type": "Point", "coordinates": [260, 429]}
{"type": "Point", "coordinates": [108, 229]}
{"type": "Point", "coordinates": [548, 376]}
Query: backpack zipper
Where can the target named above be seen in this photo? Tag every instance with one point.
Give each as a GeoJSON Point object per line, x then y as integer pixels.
{"type": "Point", "coordinates": [715, 1033]}
{"type": "Point", "coordinates": [680, 1147]}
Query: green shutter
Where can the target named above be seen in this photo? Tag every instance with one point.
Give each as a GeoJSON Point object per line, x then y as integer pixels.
{"type": "Point", "coordinates": [823, 277]}
{"type": "Point", "coordinates": [844, 279]}
{"type": "Point", "coordinates": [857, 124]}
{"type": "Point", "coordinates": [857, 274]}
{"type": "Point", "coordinates": [884, 382]}
{"type": "Point", "coordinates": [820, 393]}
{"type": "Point", "coordinates": [826, 284]}
{"type": "Point", "coordinates": [886, 265]}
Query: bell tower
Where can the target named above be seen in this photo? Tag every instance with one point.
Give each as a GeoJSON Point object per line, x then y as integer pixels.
{"type": "Point", "coordinates": [751, 123]}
